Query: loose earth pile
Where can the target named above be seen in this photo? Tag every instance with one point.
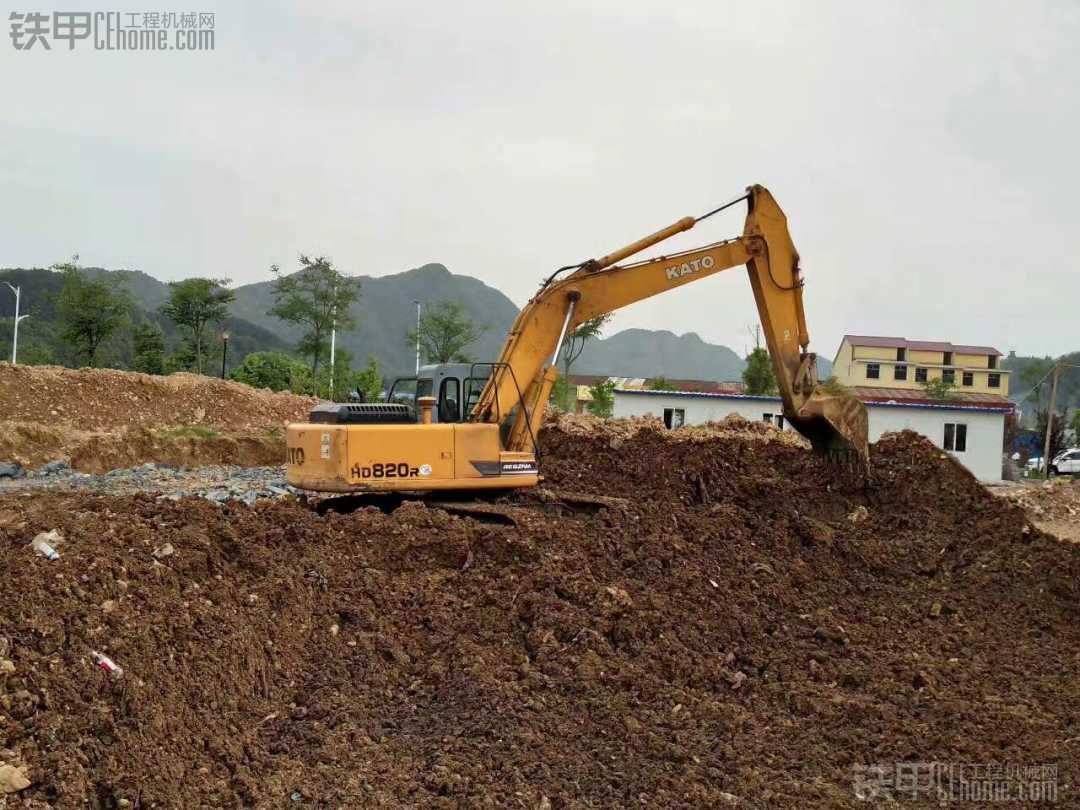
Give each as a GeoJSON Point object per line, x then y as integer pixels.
{"type": "Point", "coordinates": [743, 630]}
{"type": "Point", "coordinates": [99, 419]}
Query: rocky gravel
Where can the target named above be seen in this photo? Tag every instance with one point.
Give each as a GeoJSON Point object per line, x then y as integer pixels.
{"type": "Point", "coordinates": [218, 483]}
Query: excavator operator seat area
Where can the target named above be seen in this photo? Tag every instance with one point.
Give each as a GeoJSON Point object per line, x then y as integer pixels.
{"type": "Point", "coordinates": [455, 386]}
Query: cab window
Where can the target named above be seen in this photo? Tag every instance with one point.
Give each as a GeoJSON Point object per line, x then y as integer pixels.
{"type": "Point", "coordinates": [473, 388]}
{"type": "Point", "coordinates": [450, 400]}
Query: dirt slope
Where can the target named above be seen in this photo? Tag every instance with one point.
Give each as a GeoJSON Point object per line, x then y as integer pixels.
{"type": "Point", "coordinates": [738, 630]}
{"type": "Point", "coordinates": [103, 418]}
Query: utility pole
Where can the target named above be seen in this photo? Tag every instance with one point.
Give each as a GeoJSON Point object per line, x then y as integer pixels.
{"type": "Point", "coordinates": [224, 351]}
{"type": "Point", "coordinates": [417, 337]}
{"type": "Point", "coordinates": [333, 346]}
{"type": "Point", "coordinates": [1050, 421]}
{"type": "Point", "coordinates": [18, 317]}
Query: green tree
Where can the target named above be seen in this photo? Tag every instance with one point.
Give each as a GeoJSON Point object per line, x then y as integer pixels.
{"type": "Point", "coordinates": [149, 348]}
{"type": "Point", "coordinates": [938, 388]}
{"type": "Point", "coordinates": [603, 399]}
{"type": "Point", "coordinates": [445, 333]}
{"type": "Point", "coordinates": [1076, 427]}
{"type": "Point", "coordinates": [274, 370]}
{"type": "Point", "coordinates": [90, 311]}
{"type": "Point", "coordinates": [368, 381]}
{"type": "Point", "coordinates": [758, 377]}
{"type": "Point", "coordinates": [572, 347]}
{"type": "Point", "coordinates": [316, 297]}
{"type": "Point", "coordinates": [194, 304]}
{"type": "Point", "coordinates": [832, 385]}
{"type": "Point", "coordinates": [659, 384]}
{"type": "Point", "coordinates": [343, 380]}
{"type": "Point", "coordinates": [560, 392]}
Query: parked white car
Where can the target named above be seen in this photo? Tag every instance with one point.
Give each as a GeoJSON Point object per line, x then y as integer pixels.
{"type": "Point", "coordinates": [1066, 463]}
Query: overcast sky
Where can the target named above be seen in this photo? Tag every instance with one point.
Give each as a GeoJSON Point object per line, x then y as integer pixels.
{"type": "Point", "coordinates": [925, 153]}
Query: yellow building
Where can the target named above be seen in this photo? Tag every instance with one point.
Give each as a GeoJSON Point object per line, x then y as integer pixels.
{"type": "Point", "coordinates": [891, 362]}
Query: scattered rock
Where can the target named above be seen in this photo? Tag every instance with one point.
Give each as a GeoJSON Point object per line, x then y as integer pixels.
{"type": "Point", "coordinates": [13, 779]}
{"type": "Point", "coordinates": [54, 467]}
{"type": "Point", "coordinates": [859, 514]}
{"type": "Point", "coordinates": [619, 596]}
{"type": "Point", "coordinates": [9, 469]}
{"type": "Point", "coordinates": [935, 609]}
{"type": "Point", "coordinates": [164, 551]}
{"type": "Point", "coordinates": [828, 634]}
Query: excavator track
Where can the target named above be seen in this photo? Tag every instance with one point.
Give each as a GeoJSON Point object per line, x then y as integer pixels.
{"type": "Point", "coordinates": [514, 509]}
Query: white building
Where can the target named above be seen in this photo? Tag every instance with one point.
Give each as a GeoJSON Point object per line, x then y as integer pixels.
{"type": "Point", "coordinates": [971, 427]}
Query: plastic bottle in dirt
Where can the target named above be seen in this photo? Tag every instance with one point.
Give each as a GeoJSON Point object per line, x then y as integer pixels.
{"type": "Point", "coordinates": [104, 662]}
{"type": "Point", "coordinates": [42, 547]}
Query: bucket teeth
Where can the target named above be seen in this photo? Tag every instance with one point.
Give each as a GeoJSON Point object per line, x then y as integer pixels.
{"type": "Point", "coordinates": [836, 425]}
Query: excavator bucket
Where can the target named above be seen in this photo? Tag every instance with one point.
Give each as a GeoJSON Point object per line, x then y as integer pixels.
{"type": "Point", "coordinates": [836, 425]}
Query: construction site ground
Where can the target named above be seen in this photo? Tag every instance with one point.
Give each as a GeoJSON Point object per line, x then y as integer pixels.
{"type": "Point", "coordinates": [718, 618]}
{"type": "Point", "coordinates": [1053, 506]}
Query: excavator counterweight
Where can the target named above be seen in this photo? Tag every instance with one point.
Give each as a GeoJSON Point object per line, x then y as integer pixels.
{"type": "Point", "coordinates": [476, 425]}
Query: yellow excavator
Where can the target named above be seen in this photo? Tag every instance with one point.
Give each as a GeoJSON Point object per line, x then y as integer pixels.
{"type": "Point", "coordinates": [475, 426]}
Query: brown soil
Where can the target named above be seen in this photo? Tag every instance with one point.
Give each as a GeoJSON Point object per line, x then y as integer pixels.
{"type": "Point", "coordinates": [747, 627]}
{"type": "Point", "coordinates": [99, 419]}
{"type": "Point", "coordinates": [100, 451]}
{"type": "Point", "coordinates": [106, 399]}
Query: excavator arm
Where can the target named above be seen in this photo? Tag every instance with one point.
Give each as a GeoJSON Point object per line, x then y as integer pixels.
{"type": "Point", "coordinates": [526, 369]}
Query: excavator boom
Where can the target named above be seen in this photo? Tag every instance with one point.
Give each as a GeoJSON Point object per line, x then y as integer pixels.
{"type": "Point", "coordinates": [832, 422]}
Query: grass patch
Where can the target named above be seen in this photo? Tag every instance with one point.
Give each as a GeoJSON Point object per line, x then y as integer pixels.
{"type": "Point", "coordinates": [190, 432]}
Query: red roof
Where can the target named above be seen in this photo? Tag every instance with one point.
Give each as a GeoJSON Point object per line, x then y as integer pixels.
{"type": "Point", "coordinates": [878, 342]}
{"type": "Point", "coordinates": [629, 383]}
{"type": "Point", "coordinates": [915, 396]}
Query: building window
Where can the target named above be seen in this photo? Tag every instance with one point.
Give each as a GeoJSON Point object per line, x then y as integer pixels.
{"type": "Point", "coordinates": [993, 380]}
{"type": "Point", "coordinates": [674, 417]}
{"type": "Point", "coordinates": [946, 359]}
{"type": "Point", "coordinates": [780, 421]}
{"type": "Point", "coordinates": [991, 361]}
{"type": "Point", "coordinates": [955, 437]}
{"type": "Point", "coordinates": [766, 418]}
{"type": "Point", "coordinates": [920, 375]}
{"type": "Point", "coordinates": [899, 372]}
{"type": "Point", "coordinates": [969, 378]}
{"type": "Point", "coordinates": [873, 371]}
{"type": "Point", "coordinates": [948, 375]}
{"type": "Point", "coordinates": [901, 355]}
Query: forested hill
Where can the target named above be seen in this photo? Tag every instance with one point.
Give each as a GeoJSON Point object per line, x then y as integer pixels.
{"type": "Point", "coordinates": [384, 314]}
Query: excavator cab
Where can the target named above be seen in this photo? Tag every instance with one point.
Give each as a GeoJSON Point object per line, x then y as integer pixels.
{"type": "Point", "coordinates": [455, 386]}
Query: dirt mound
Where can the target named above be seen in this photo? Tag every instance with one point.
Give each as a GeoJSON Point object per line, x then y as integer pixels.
{"type": "Point", "coordinates": [33, 445]}
{"type": "Point", "coordinates": [745, 629]}
{"type": "Point", "coordinates": [733, 427]}
{"type": "Point", "coordinates": [99, 419]}
{"type": "Point", "coordinates": [106, 399]}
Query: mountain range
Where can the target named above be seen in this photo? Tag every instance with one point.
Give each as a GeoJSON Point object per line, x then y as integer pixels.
{"type": "Point", "coordinates": [384, 314]}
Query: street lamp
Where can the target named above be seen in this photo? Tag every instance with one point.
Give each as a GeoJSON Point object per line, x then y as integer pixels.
{"type": "Point", "coordinates": [18, 317]}
{"type": "Point", "coordinates": [417, 337]}
{"type": "Point", "coordinates": [224, 351]}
